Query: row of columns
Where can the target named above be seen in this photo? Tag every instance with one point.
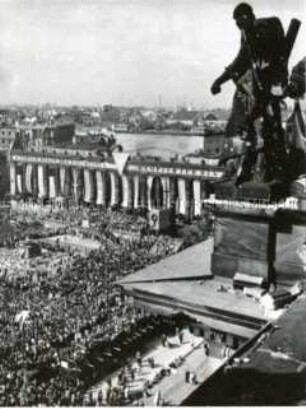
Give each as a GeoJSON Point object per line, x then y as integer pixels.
{"type": "Point", "coordinates": [44, 182]}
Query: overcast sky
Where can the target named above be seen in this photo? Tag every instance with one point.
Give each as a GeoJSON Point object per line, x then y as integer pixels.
{"type": "Point", "coordinates": [125, 52]}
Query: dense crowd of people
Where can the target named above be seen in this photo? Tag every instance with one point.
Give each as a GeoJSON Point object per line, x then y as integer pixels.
{"type": "Point", "coordinates": [53, 318]}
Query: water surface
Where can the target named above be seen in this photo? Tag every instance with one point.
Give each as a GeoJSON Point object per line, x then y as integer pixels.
{"type": "Point", "coordinates": [160, 145]}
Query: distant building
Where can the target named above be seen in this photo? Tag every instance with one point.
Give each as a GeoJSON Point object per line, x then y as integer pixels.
{"type": "Point", "coordinates": [110, 116]}
{"type": "Point", "coordinates": [121, 128]}
{"type": "Point", "coordinates": [7, 138]}
{"type": "Point", "coordinates": [197, 122]}
{"type": "Point", "coordinates": [210, 118]}
{"type": "Point", "coordinates": [214, 124]}
{"type": "Point", "coordinates": [7, 117]}
{"type": "Point", "coordinates": [59, 134]}
{"type": "Point", "coordinates": [186, 119]}
{"type": "Point", "coordinates": [198, 129]}
{"type": "Point", "coordinates": [88, 135]}
{"type": "Point", "coordinates": [213, 145]}
{"type": "Point", "coordinates": [7, 141]}
{"type": "Point", "coordinates": [136, 120]}
{"type": "Point", "coordinates": [38, 135]}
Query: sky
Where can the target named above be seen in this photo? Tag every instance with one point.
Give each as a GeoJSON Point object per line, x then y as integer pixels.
{"type": "Point", "coordinates": [125, 52]}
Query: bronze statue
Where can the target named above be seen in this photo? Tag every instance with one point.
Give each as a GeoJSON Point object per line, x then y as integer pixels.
{"type": "Point", "coordinates": [263, 59]}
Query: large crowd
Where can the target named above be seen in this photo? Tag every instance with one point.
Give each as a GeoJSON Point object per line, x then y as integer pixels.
{"type": "Point", "coordinates": [53, 319]}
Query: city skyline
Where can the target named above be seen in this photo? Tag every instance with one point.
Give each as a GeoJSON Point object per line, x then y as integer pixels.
{"type": "Point", "coordinates": [135, 53]}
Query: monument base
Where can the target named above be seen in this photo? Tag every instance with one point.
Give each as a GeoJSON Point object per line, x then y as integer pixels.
{"type": "Point", "coordinates": [260, 242]}
{"type": "Point", "coordinates": [242, 244]}
{"type": "Point", "coordinates": [252, 191]}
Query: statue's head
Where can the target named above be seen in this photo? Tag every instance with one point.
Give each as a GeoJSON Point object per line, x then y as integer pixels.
{"type": "Point", "coordinates": [244, 16]}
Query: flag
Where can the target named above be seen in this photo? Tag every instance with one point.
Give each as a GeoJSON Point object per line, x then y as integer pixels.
{"type": "Point", "coordinates": [21, 317]}
{"type": "Point", "coordinates": [157, 399]}
{"type": "Point", "coordinates": [64, 364]}
{"type": "Point", "coordinates": [296, 129]}
{"type": "Point", "coordinates": [296, 141]}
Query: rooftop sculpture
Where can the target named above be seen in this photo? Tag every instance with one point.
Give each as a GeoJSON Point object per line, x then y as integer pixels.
{"type": "Point", "coordinates": [260, 72]}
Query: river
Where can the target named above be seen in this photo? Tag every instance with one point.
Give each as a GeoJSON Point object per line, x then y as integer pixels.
{"type": "Point", "coordinates": [159, 145]}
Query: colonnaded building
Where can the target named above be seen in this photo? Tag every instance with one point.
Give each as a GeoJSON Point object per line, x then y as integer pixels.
{"type": "Point", "coordinates": [107, 179]}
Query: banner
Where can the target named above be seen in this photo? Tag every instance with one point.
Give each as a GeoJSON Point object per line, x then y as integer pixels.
{"type": "Point", "coordinates": [28, 178]}
{"type": "Point", "coordinates": [120, 159]}
{"type": "Point", "coordinates": [88, 183]}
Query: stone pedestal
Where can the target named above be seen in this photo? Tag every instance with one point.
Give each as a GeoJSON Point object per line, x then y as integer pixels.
{"type": "Point", "coordinates": [290, 253]}
{"type": "Point", "coordinates": [252, 191]}
{"type": "Point", "coordinates": [263, 242]}
{"type": "Point", "coordinates": [243, 244]}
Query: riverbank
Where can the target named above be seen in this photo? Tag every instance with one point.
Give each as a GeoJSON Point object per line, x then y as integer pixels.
{"type": "Point", "coordinates": [168, 132]}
